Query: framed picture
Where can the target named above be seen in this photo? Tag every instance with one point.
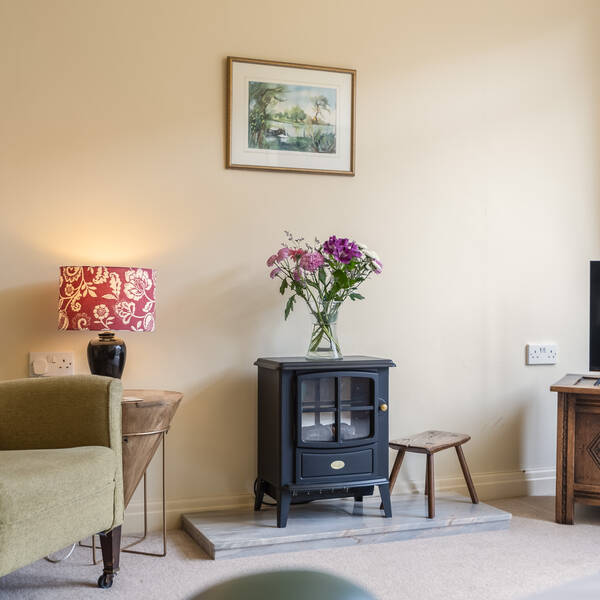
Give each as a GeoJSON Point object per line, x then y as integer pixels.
{"type": "Point", "coordinates": [290, 117]}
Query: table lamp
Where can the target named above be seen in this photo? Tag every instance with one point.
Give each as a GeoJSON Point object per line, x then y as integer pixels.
{"type": "Point", "coordinates": [106, 299]}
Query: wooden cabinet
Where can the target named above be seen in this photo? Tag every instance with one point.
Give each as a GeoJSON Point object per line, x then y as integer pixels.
{"type": "Point", "coordinates": [577, 444]}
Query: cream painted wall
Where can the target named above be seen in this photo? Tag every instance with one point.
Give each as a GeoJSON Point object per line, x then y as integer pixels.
{"type": "Point", "coordinates": [477, 181]}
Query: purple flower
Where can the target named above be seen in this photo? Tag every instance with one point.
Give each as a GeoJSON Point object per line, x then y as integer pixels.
{"type": "Point", "coordinates": [297, 274]}
{"type": "Point", "coordinates": [271, 260]}
{"type": "Point", "coordinates": [274, 272]}
{"type": "Point", "coordinates": [342, 249]}
{"type": "Point", "coordinates": [377, 266]}
{"type": "Point", "coordinates": [311, 261]}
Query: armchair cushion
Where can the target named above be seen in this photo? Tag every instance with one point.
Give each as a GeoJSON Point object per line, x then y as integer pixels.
{"type": "Point", "coordinates": [34, 483]}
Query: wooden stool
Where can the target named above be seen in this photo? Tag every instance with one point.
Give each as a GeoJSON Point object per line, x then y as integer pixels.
{"type": "Point", "coordinates": [430, 442]}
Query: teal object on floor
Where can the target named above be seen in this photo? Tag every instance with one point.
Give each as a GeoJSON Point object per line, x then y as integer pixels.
{"type": "Point", "coordinates": [287, 585]}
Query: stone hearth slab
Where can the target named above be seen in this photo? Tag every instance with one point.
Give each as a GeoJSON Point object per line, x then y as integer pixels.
{"type": "Point", "coordinates": [340, 522]}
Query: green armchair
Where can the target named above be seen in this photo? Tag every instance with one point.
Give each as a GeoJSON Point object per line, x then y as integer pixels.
{"type": "Point", "coordinates": [61, 472]}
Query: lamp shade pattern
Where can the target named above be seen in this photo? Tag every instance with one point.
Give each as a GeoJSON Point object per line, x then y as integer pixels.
{"type": "Point", "coordinates": [107, 298]}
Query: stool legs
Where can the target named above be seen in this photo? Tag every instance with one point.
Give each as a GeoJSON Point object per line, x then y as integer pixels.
{"type": "Point", "coordinates": [467, 475]}
{"type": "Point", "coordinates": [395, 471]}
{"type": "Point", "coordinates": [396, 468]}
{"type": "Point", "coordinates": [429, 476]}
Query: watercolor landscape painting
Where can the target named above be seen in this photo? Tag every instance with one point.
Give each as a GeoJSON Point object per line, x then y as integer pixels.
{"type": "Point", "coordinates": [298, 118]}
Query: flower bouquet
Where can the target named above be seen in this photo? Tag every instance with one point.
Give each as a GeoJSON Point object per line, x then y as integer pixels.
{"type": "Point", "coordinates": [323, 275]}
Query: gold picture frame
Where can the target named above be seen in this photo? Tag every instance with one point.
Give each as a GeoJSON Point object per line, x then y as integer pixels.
{"type": "Point", "coordinates": [293, 117]}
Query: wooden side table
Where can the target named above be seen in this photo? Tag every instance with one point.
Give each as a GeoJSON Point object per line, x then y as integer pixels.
{"type": "Point", "coordinates": [577, 444]}
{"type": "Point", "coordinates": [147, 416]}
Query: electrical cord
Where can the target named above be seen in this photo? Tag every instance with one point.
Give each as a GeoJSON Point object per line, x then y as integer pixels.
{"type": "Point", "coordinates": [57, 560]}
{"type": "Point", "coordinates": [256, 494]}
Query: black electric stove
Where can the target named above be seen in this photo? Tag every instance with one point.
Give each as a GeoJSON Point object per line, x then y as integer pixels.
{"type": "Point", "coordinates": [322, 430]}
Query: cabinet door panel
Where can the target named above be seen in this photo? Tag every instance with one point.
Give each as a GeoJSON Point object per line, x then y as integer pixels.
{"type": "Point", "coordinates": [587, 446]}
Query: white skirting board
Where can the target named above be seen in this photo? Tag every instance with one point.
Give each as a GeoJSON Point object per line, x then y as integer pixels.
{"type": "Point", "coordinates": [490, 486]}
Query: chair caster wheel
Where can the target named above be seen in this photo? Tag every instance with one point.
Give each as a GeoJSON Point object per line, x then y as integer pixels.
{"type": "Point", "coordinates": [105, 580]}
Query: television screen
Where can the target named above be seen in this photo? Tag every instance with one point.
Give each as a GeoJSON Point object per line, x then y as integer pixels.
{"type": "Point", "coordinates": [595, 315]}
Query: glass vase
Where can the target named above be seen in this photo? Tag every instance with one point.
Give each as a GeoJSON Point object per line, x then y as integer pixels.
{"type": "Point", "coordinates": [324, 343]}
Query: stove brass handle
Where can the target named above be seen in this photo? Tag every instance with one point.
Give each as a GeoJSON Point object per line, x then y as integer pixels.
{"type": "Point", "coordinates": [383, 407]}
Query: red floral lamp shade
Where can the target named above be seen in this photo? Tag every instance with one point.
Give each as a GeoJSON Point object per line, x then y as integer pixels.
{"type": "Point", "coordinates": [106, 298]}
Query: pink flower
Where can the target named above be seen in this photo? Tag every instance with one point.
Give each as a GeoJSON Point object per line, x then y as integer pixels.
{"type": "Point", "coordinates": [297, 274]}
{"type": "Point", "coordinates": [283, 253]}
{"type": "Point", "coordinates": [271, 260]}
{"type": "Point", "coordinates": [311, 261]}
{"type": "Point", "coordinates": [274, 272]}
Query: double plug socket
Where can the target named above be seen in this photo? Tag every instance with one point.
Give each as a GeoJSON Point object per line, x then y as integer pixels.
{"type": "Point", "coordinates": [541, 354]}
{"type": "Point", "coordinates": [48, 364]}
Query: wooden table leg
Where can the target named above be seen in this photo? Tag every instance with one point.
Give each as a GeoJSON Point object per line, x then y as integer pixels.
{"type": "Point", "coordinates": [426, 482]}
{"type": "Point", "coordinates": [467, 475]}
{"type": "Point", "coordinates": [565, 459]}
{"type": "Point", "coordinates": [111, 548]}
{"type": "Point", "coordinates": [431, 487]}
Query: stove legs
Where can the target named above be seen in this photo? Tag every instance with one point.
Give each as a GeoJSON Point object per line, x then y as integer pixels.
{"type": "Point", "coordinates": [283, 508]}
{"type": "Point", "coordinates": [384, 492]}
{"type": "Point", "coordinates": [283, 502]}
{"type": "Point", "coordinates": [285, 499]}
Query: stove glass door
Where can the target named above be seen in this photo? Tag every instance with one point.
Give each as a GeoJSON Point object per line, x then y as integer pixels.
{"type": "Point", "coordinates": [318, 406]}
{"type": "Point", "coordinates": [357, 406]}
{"type": "Point", "coordinates": [336, 408]}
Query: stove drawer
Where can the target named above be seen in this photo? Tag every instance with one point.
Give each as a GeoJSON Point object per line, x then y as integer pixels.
{"type": "Point", "coordinates": [336, 464]}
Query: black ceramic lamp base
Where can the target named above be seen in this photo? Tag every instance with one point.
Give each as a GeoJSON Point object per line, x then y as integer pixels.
{"type": "Point", "coordinates": [106, 355]}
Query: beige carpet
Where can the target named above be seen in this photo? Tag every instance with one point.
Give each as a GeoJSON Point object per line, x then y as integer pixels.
{"type": "Point", "coordinates": [535, 554]}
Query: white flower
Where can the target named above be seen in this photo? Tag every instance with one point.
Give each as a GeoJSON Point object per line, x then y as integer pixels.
{"type": "Point", "coordinates": [372, 254]}
{"type": "Point", "coordinates": [148, 323]}
{"type": "Point", "coordinates": [125, 310]}
{"type": "Point", "coordinates": [72, 273]}
{"type": "Point", "coordinates": [137, 282]}
{"type": "Point", "coordinates": [101, 311]}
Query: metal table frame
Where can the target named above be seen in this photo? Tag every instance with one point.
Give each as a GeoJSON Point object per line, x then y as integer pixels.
{"type": "Point", "coordinates": [127, 548]}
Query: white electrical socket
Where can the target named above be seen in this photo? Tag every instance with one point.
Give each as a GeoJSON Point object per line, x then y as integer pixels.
{"type": "Point", "coordinates": [49, 364]}
{"type": "Point", "coordinates": [541, 354]}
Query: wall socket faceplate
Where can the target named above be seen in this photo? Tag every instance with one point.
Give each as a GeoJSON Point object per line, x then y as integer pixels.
{"type": "Point", "coordinates": [48, 364]}
{"type": "Point", "coordinates": [541, 354]}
